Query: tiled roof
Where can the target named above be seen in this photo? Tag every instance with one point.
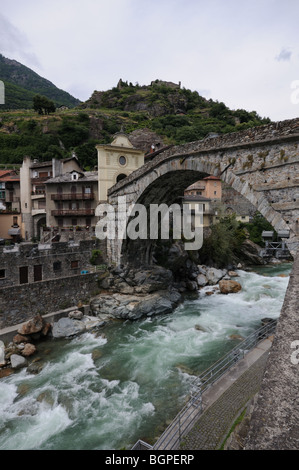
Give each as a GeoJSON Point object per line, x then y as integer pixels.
{"type": "Point", "coordinates": [196, 197]}
{"type": "Point", "coordinates": [67, 177]}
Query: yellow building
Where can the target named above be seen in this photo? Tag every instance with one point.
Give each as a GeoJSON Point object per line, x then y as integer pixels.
{"type": "Point", "coordinates": [116, 161]}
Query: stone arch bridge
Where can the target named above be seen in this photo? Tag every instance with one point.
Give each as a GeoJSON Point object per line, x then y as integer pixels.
{"type": "Point", "coordinates": [261, 163]}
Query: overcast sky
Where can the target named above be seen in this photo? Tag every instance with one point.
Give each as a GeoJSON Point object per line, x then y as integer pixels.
{"type": "Point", "coordinates": [244, 53]}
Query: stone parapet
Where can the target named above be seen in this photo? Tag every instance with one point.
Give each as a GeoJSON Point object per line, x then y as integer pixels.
{"type": "Point", "coordinates": [274, 422]}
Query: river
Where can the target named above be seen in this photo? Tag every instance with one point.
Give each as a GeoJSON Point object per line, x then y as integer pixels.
{"type": "Point", "coordinates": [107, 392]}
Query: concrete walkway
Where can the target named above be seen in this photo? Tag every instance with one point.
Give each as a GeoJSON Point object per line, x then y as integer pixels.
{"type": "Point", "coordinates": [226, 399]}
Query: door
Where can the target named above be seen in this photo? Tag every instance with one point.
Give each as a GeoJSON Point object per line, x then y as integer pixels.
{"type": "Point", "coordinates": [24, 275]}
{"type": "Point", "coordinates": [38, 275]}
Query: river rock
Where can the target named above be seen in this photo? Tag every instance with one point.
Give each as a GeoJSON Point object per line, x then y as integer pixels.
{"type": "Point", "coordinates": [76, 315]}
{"type": "Point", "coordinates": [191, 285]}
{"type": "Point", "coordinates": [202, 269]}
{"type": "Point", "coordinates": [133, 307]}
{"type": "Point", "coordinates": [17, 361]}
{"type": "Point", "coordinates": [200, 328]}
{"type": "Point", "coordinates": [35, 325]}
{"type": "Point", "coordinates": [2, 354]}
{"type": "Point", "coordinates": [92, 322]}
{"type": "Point", "coordinates": [229, 287]}
{"type": "Point", "coordinates": [66, 327]}
{"type": "Point", "coordinates": [214, 275]}
{"type": "Point", "coordinates": [17, 339]}
{"type": "Point", "coordinates": [232, 274]}
{"type": "Point", "coordinates": [201, 280]}
{"type": "Point", "coordinates": [29, 350]}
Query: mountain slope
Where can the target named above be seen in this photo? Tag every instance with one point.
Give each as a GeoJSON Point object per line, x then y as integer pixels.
{"type": "Point", "coordinates": [161, 114]}
{"type": "Point", "coordinates": [22, 83]}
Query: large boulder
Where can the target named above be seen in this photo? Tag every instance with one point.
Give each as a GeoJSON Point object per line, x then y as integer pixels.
{"type": "Point", "coordinates": [35, 325]}
{"type": "Point", "coordinates": [17, 361]}
{"type": "Point", "coordinates": [133, 307]}
{"type": "Point", "coordinates": [250, 253]}
{"type": "Point", "coordinates": [202, 281]}
{"type": "Point", "coordinates": [131, 281]}
{"type": "Point", "coordinates": [214, 275]}
{"type": "Point", "coordinates": [66, 327]}
{"type": "Point", "coordinates": [229, 286]}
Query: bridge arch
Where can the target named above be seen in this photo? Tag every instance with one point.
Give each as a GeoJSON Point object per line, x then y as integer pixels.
{"type": "Point", "coordinates": [263, 170]}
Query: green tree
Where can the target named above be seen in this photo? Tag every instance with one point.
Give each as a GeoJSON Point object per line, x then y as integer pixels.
{"type": "Point", "coordinates": [223, 243]}
{"type": "Point", "coordinates": [43, 105]}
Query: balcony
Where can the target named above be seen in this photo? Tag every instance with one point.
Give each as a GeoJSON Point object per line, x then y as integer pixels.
{"type": "Point", "coordinates": [72, 197]}
{"type": "Point", "coordinates": [72, 212]}
{"type": "Point", "coordinates": [39, 179]}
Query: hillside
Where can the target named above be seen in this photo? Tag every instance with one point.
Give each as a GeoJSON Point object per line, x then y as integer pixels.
{"type": "Point", "coordinates": [22, 83]}
{"type": "Point", "coordinates": [160, 113]}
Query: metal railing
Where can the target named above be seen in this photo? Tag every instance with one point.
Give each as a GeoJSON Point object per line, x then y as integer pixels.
{"type": "Point", "coordinates": [72, 212]}
{"type": "Point", "coordinates": [183, 422]}
{"type": "Point", "coordinates": [71, 196]}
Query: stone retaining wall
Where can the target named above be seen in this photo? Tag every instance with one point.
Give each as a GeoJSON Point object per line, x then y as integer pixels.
{"type": "Point", "coordinates": [20, 303]}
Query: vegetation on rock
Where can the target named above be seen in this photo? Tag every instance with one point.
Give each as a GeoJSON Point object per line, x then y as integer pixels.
{"type": "Point", "coordinates": [171, 114]}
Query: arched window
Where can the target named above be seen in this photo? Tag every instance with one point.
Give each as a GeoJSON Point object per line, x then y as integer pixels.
{"type": "Point", "coordinates": [120, 177]}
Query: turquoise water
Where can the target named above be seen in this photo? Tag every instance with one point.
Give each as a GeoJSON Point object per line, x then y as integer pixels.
{"type": "Point", "coordinates": [107, 392]}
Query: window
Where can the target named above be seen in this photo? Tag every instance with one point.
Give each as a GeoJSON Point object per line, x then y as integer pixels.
{"type": "Point", "coordinates": [74, 264]}
{"type": "Point", "coordinates": [74, 206]}
{"type": "Point", "coordinates": [122, 161]}
{"type": "Point", "coordinates": [2, 273]}
{"type": "Point", "coordinates": [215, 192]}
{"type": "Point", "coordinates": [41, 204]}
{"type": "Point", "coordinates": [120, 177]}
{"type": "Point", "coordinates": [15, 221]}
{"type": "Point", "coordinates": [57, 266]}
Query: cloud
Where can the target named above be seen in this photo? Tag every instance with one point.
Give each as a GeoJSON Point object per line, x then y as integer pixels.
{"type": "Point", "coordinates": [284, 55]}
{"type": "Point", "coordinates": [14, 43]}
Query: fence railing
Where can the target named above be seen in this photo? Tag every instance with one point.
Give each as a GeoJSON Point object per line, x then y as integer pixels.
{"type": "Point", "coordinates": [183, 422]}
